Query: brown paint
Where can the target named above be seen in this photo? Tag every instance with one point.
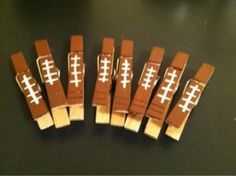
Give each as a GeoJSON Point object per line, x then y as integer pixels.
{"type": "Point", "coordinates": [177, 115]}
{"type": "Point", "coordinates": [21, 69]}
{"type": "Point", "coordinates": [75, 93]}
{"type": "Point", "coordinates": [142, 96]}
{"type": "Point", "coordinates": [55, 92]}
{"type": "Point", "coordinates": [159, 105]}
{"type": "Point", "coordinates": [122, 94]}
{"type": "Point", "coordinates": [102, 89]}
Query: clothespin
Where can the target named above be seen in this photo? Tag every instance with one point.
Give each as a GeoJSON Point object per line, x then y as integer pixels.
{"type": "Point", "coordinates": [158, 108]}
{"type": "Point", "coordinates": [50, 76]}
{"type": "Point", "coordinates": [31, 91]}
{"type": "Point", "coordinates": [76, 71]}
{"type": "Point", "coordinates": [102, 91]}
{"type": "Point", "coordinates": [188, 100]}
{"type": "Point", "coordinates": [124, 76]}
{"type": "Point", "coordinates": [146, 84]}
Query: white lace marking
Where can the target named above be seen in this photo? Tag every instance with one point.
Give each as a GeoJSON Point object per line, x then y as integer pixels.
{"type": "Point", "coordinates": [105, 67]}
{"type": "Point", "coordinates": [75, 73]}
{"type": "Point", "coordinates": [52, 74]}
{"type": "Point", "coordinates": [168, 89]}
{"type": "Point", "coordinates": [29, 87]}
{"type": "Point", "coordinates": [125, 68]}
{"type": "Point", "coordinates": [147, 79]}
{"type": "Point", "coordinates": [188, 100]}
{"type": "Point", "coordinates": [25, 88]}
{"type": "Point", "coordinates": [49, 75]}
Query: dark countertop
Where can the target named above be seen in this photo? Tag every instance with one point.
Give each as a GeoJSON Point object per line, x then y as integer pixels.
{"type": "Point", "coordinates": [204, 29]}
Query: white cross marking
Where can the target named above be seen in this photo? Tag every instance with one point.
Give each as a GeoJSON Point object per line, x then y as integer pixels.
{"type": "Point", "coordinates": [147, 80]}
{"type": "Point", "coordinates": [75, 72]}
{"type": "Point", "coordinates": [48, 75]}
{"type": "Point", "coordinates": [103, 75]}
{"type": "Point", "coordinates": [168, 89]}
{"type": "Point", "coordinates": [52, 74]}
{"type": "Point", "coordinates": [51, 80]}
{"type": "Point", "coordinates": [125, 74]}
{"type": "Point", "coordinates": [30, 85]}
{"type": "Point", "coordinates": [188, 100]}
{"type": "Point", "coordinates": [49, 67]}
{"type": "Point", "coordinates": [32, 93]}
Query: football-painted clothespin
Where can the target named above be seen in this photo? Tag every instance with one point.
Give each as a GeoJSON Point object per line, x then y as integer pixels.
{"type": "Point", "coordinates": [102, 91]}
{"type": "Point", "coordinates": [188, 100]}
{"type": "Point", "coordinates": [158, 108]}
{"type": "Point", "coordinates": [142, 95]}
{"type": "Point", "coordinates": [31, 91]}
{"type": "Point", "coordinates": [50, 76]}
{"type": "Point", "coordinates": [123, 76]}
{"type": "Point", "coordinates": [76, 71]}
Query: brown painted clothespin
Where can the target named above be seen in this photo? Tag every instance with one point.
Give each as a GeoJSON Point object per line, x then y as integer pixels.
{"type": "Point", "coordinates": [76, 67]}
{"type": "Point", "coordinates": [188, 100]}
{"type": "Point", "coordinates": [50, 76]}
{"type": "Point", "coordinates": [158, 108]}
{"type": "Point", "coordinates": [124, 76]}
{"type": "Point", "coordinates": [142, 95]}
{"type": "Point", "coordinates": [31, 91]}
{"type": "Point", "coordinates": [102, 91]}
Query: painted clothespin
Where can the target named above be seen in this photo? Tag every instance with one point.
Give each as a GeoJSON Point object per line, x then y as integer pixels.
{"type": "Point", "coordinates": [31, 91]}
{"type": "Point", "coordinates": [76, 71]}
{"type": "Point", "coordinates": [158, 108]}
{"type": "Point", "coordinates": [188, 100]}
{"type": "Point", "coordinates": [124, 76]}
{"type": "Point", "coordinates": [142, 95]}
{"type": "Point", "coordinates": [102, 91]}
{"type": "Point", "coordinates": [50, 76]}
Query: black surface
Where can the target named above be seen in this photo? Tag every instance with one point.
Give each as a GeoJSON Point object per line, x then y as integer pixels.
{"type": "Point", "coordinates": [204, 29]}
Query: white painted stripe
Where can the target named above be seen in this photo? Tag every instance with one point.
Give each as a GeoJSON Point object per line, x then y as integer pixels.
{"type": "Point", "coordinates": [184, 108]}
{"type": "Point", "coordinates": [76, 73]}
{"type": "Point", "coordinates": [51, 80]}
{"type": "Point", "coordinates": [168, 89]}
{"type": "Point", "coordinates": [196, 88]}
{"type": "Point", "coordinates": [34, 92]}
{"type": "Point", "coordinates": [188, 100]}
{"type": "Point", "coordinates": [189, 93]}
{"type": "Point", "coordinates": [103, 79]}
{"type": "Point", "coordinates": [163, 97]}
{"type": "Point", "coordinates": [39, 97]}
{"type": "Point", "coordinates": [170, 81]}
{"type": "Point", "coordinates": [49, 67]}
{"type": "Point", "coordinates": [125, 68]}
{"type": "Point", "coordinates": [26, 79]}
{"type": "Point", "coordinates": [105, 67]}
{"type": "Point", "coordinates": [48, 62]}
{"type": "Point", "coordinates": [52, 74]}
{"type": "Point", "coordinates": [75, 65]}
{"type": "Point", "coordinates": [49, 75]}
{"type": "Point", "coordinates": [29, 87]}
{"type": "Point", "coordinates": [147, 80]}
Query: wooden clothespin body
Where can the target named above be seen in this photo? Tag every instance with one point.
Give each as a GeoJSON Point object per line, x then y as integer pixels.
{"type": "Point", "coordinates": [31, 91]}
{"type": "Point", "coordinates": [102, 91]}
{"type": "Point", "coordinates": [123, 79]}
{"type": "Point", "coordinates": [188, 100]}
{"type": "Point", "coordinates": [160, 103]}
{"type": "Point", "coordinates": [50, 76]}
{"type": "Point", "coordinates": [142, 95]}
{"type": "Point", "coordinates": [76, 72]}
